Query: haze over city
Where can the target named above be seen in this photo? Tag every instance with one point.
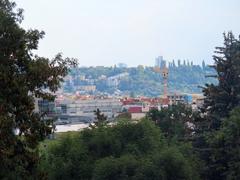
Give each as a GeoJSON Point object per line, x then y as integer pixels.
{"type": "Point", "coordinates": [140, 90]}
{"type": "Point", "coordinates": [133, 32]}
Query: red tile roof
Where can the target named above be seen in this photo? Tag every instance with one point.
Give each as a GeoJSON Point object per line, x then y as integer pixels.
{"type": "Point", "coordinates": [136, 109]}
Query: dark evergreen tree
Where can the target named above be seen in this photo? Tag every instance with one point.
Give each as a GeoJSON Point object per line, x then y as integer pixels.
{"type": "Point", "coordinates": [173, 63]}
{"type": "Point", "coordinates": [23, 77]}
{"type": "Point", "coordinates": [179, 63]}
{"type": "Point", "coordinates": [170, 65]}
{"type": "Point", "coordinates": [223, 97]}
{"type": "Point", "coordinates": [101, 119]}
{"type": "Point", "coordinates": [214, 140]}
{"type": "Point", "coordinates": [203, 64]}
{"type": "Point", "coordinates": [184, 62]}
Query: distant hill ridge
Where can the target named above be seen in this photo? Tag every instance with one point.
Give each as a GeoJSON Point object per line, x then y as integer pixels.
{"type": "Point", "coordinates": [141, 80]}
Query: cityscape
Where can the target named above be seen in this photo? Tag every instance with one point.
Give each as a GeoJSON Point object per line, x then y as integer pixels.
{"type": "Point", "coordinates": [119, 90]}
{"type": "Point", "coordinates": [182, 77]}
{"type": "Point", "coordinates": [80, 96]}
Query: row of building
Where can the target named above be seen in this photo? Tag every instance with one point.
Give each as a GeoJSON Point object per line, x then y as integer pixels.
{"type": "Point", "coordinates": [74, 109]}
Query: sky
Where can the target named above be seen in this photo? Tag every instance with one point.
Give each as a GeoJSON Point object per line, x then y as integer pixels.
{"type": "Point", "coordinates": [135, 32]}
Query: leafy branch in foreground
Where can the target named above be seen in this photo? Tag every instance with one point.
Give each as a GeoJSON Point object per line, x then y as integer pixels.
{"type": "Point", "coordinates": [23, 78]}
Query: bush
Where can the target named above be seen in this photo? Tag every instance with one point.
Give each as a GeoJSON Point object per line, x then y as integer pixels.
{"type": "Point", "coordinates": [124, 151]}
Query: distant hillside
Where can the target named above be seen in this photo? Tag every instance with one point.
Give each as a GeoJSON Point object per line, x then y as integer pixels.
{"type": "Point", "coordinates": [140, 80]}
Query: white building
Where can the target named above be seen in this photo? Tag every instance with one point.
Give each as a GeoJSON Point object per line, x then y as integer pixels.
{"type": "Point", "coordinates": [160, 62]}
{"type": "Point", "coordinates": [110, 107]}
{"type": "Point", "coordinates": [114, 81]}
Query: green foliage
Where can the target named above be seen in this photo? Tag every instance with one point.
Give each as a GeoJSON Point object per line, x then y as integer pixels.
{"type": "Point", "coordinates": [175, 121]}
{"type": "Point", "coordinates": [223, 97]}
{"type": "Point", "coordinates": [158, 166]}
{"type": "Point", "coordinates": [174, 165]}
{"type": "Point", "coordinates": [144, 81]}
{"type": "Point", "coordinates": [225, 149]}
{"type": "Point", "coordinates": [217, 134]}
{"type": "Point", "coordinates": [109, 168]}
{"type": "Point", "coordinates": [124, 151]}
{"type": "Point", "coordinates": [101, 119]}
{"type": "Point", "coordinates": [23, 77]}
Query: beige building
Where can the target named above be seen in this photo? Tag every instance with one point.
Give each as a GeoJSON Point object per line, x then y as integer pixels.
{"type": "Point", "coordinates": [87, 88]}
{"type": "Point", "coordinates": [137, 116]}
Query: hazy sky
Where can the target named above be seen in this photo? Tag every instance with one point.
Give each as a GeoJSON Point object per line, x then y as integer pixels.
{"type": "Point", "coordinates": [106, 32]}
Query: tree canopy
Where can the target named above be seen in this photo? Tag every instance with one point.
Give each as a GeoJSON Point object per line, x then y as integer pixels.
{"type": "Point", "coordinates": [223, 97]}
{"type": "Point", "coordinates": [124, 151]}
{"type": "Point", "coordinates": [158, 147]}
{"type": "Point", "coordinates": [225, 147]}
{"type": "Point", "coordinates": [141, 81]}
{"type": "Point", "coordinates": [217, 137]}
{"type": "Point", "coordinates": [176, 121]}
{"type": "Point", "coordinates": [23, 78]}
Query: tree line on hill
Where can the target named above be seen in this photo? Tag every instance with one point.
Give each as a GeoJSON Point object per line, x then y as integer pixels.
{"type": "Point", "coordinates": [183, 78]}
{"type": "Point", "coordinates": [169, 144]}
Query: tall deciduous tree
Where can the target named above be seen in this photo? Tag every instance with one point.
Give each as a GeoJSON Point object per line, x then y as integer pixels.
{"type": "Point", "coordinates": [23, 77]}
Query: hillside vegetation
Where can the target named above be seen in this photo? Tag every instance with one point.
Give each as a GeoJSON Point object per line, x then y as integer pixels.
{"type": "Point", "coordinates": [142, 80]}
